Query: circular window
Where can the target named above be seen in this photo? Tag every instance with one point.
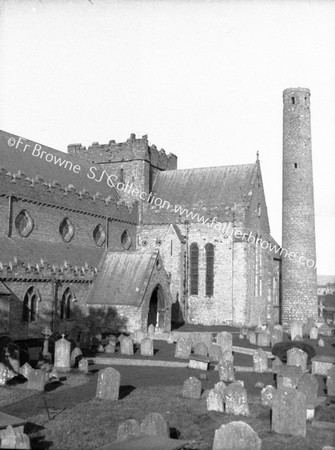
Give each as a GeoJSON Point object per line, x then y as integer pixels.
{"type": "Point", "coordinates": [24, 223]}
{"type": "Point", "coordinates": [99, 235]}
{"type": "Point", "coordinates": [66, 230]}
{"type": "Point", "coordinates": [126, 240]}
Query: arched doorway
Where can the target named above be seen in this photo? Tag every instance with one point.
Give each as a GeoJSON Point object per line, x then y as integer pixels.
{"type": "Point", "coordinates": [157, 309]}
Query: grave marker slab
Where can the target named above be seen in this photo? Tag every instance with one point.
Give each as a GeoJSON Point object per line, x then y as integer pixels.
{"type": "Point", "coordinates": [83, 365]}
{"type": "Point", "coordinates": [108, 384]}
{"type": "Point", "coordinates": [36, 380]}
{"type": "Point", "coordinates": [183, 348]}
{"type": "Point", "coordinates": [25, 370]}
{"type": "Point", "coordinates": [331, 381]}
{"type": "Point", "coordinates": [154, 424]}
{"type": "Point", "coordinates": [226, 371]}
{"type": "Point", "coordinates": [147, 347]}
{"type": "Point", "coordinates": [288, 376]}
{"type": "Point", "coordinates": [296, 329]}
{"type": "Point", "coordinates": [75, 356]}
{"type": "Point", "coordinates": [199, 362]}
{"type": "Point", "coordinates": [267, 395]}
{"type": "Point", "coordinates": [260, 361]}
{"type": "Point", "coordinates": [308, 385]}
{"type": "Point", "coordinates": [236, 435]}
{"type": "Point", "coordinates": [128, 429]}
{"type": "Point", "coordinates": [200, 349]}
{"type": "Point", "coordinates": [127, 346]}
{"type": "Point", "coordinates": [225, 341]}
{"type": "Point", "coordinates": [62, 355]}
{"type": "Point", "coordinates": [264, 339]}
{"type": "Point", "coordinates": [214, 401]}
{"type": "Point", "coordinates": [321, 364]}
{"type": "Point", "coordinates": [297, 357]}
{"type": "Point", "coordinates": [14, 438]}
{"type": "Point", "coordinates": [110, 347]}
{"type": "Point", "coordinates": [236, 400]}
{"type": "Point", "coordinates": [192, 388]}
{"type": "Point", "coordinates": [289, 412]}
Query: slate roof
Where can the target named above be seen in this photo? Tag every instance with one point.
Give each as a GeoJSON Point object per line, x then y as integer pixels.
{"type": "Point", "coordinates": [13, 160]}
{"type": "Point", "coordinates": [122, 279]}
{"type": "Point", "coordinates": [208, 189]}
{"type": "Point", "coordinates": [32, 251]}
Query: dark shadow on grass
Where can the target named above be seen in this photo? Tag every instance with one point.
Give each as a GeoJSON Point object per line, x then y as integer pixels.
{"type": "Point", "coordinates": [174, 433]}
{"type": "Point", "coordinates": [125, 391]}
{"type": "Point", "coordinates": [156, 351]}
{"type": "Point", "coordinates": [18, 379]}
{"type": "Point", "coordinates": [37, 440]}
{"type": "Point", "coordinates": [52, 386]}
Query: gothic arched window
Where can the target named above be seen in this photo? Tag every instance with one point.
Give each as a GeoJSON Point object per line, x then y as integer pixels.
{"type": "Point", "coordinates": [30, 303]}
{"type": "Point", "coordinates": [209, 248]}
{"type": "Point", "coordinates": [194, 269]}
{"type": "Point", "coordinates": [65, 304]}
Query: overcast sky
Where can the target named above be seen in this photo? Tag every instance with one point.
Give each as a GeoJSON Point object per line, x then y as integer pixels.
{"type": "Point", "coordinates": [203, 79]}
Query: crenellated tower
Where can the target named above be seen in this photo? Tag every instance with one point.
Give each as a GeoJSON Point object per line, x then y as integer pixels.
{"type": "Point", "coordinates": [299, 283]}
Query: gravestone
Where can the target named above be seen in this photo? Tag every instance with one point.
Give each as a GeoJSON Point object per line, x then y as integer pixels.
{"type": "Point", "coordinates": [128, 430]}
{"type": "Point", "coordinates": [276, 335]}
{"type": "Point", "coordinates": [276, 364]}
{"type": "Point", "coordinates": [139, 335]}
{"type": "Point", "coordinates": [289, 412]}
{"type": "Point", "coordinates": [199, 362]}
{"type": "Point", "coordinates": [13, 437]}
{"type": "Point", "coordinates": [110, 347]}
{"type": "Point", "coordinates": [331, 382]}
{"type": "Point", "coordinates": [85, 341]}
{"type": "Point", "coordinates": [200, 349]}
{"type": "Point", "coordinates": [147, 347]}
{"type": "Point", "coordinates": [75, 357]}
{"type": "Point", "coordinates": [36, 380]}
{"type": "Point", "coordinates": [215, 352]}
{"type": "Point", "coordinates": [108, 384]}
{"type": "Point", "coordinates": [321, 342]}
{"type": "Point", "coordinates": [5, 374]}
{"type": "Point", "coordinates": [83, 365]}
{"type": "Point", "coordinates": [220, 386]}
{"type": "Point", "coordinates": [170, 338]}
{"type": "Point", "coordinates": [25, 370]}
{"type": "Point", "coordinates": [260, 361]}
{"type": "Point", "coordinates": [127, 346]}
{"type": "Point", "coordinates": [225, 341]}
{"type": "Point", "coordinates": [236, 435]}
{"type": "Point", "coordinates": [321, 364]}
{"type": "Point", "coordinates": [297, 357]}
{"type": "Point", "coordinates": [154, 424]}
{"type": "Point", "coordinates": [151, 331]}
{"type": "Point", "coordinates": [264, 339]}
{"type": "Point", "coordinates": [288, 376]}
{"type": "Point", "coordinates": [314, 333]}
{"type": "Point", "coordinates": [192, 388]}
{"type": "Point", "coordinates": [62, 355]}
{"type": "Point", "coordinates": [214, 401]}
{"type": "Point", "coordinates": [252, 337]}
{"type": "Point", "coordinates": [296, 329]}
{"type": "Point", "coordinates": [183, 348]}
{"type": "Point", "coordinates": [236, 400]}
{"type": "Point", "coordinates": [267, 395]}
{"type": "Point", "coordinates": [206, 338]}
{"type": "Point", "coordinates": [308, 385]}
{"type": "Point", "coordinates": [226, 371]}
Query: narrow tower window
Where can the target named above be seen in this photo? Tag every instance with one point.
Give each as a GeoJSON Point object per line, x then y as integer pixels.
{"type": "Point", "coordinates": [209, 269]}
{"type": "Point", "coordinates": [194, 269]}
{"type": "Point", "coordinates": [293, 100]}
{"type": "Point", "coordinates": [295, 165]}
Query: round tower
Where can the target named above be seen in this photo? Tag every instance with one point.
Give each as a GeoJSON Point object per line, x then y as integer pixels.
{"type": "Point", "coordinates": [299, 284]}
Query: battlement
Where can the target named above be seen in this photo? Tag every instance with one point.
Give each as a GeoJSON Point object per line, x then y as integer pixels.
{"type": "Point", "coordinates": [296, 96]}
{"type": "Point", "coordinates": [133, 149]}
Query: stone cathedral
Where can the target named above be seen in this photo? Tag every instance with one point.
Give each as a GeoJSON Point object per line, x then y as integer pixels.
{"type": "Point", "coordinates": [118, 228]}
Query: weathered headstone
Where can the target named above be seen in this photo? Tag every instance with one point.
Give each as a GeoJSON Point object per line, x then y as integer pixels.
{"type": "Point", "coordinates": [276, 364]}
{"type": "Point", "coordinates": [75, 357]}
{"type": "Point", "coordinates": [147, 347]}
{"type": "Point", "coordinates": [276, 335]}
{"type": "Point", "coordinates": [264, 338]}
{"type": "Point", "coordinates": [62, 355]}
{"type": "Point", "coordinates": [36, 380]}
{"type": "Point", "coordinates": [225, 341]}
{"type": "Point", "coordinates": [321, 342]}
{"type": "Point", "coordinates": [331, 382]}
{"type": "Point", "coordinates": [127, 346]}
{"type": "Point", "coordinates": [260, 361]}
{"type": "Point", "coordinates": [170, 338]}
{"type": "Point", "coordinates": [236, 400]}
{"type": "Point", "coordinates": [108, 384]}
{"type": "Point", "coordinates": [314, 333]}
{"type": "Point", "coordinates": [13, 437]}
{"type": "Point", "coordinates": [5, 374]}
{"type": "Point", "coordinates": [236, 435]}
{"type": "Point", "coordinates": [139, 335]}
{"type": "Point", "coordinates": [267, 394]}
{"type": "Point", "coordinates": [308, 385]}
{"type": "Point", "coordinates": [288, 376]}
{"type": "Point", "coordinates": [252, 337]}
{"type": "Point", "coordinates": [25, 370]}
{"type": "Point", "coordinates": [296, 329]}
{"type": "Point", "coordinates": [297, 357]}
{"type": "Point", "coordinates": [83, 365]}
{"type": "Point", "coordinates": [110, 347]}
{"type": "Point", "coordinates": [192, 388]}
{"type": "Point", "coordinates": [321, 364]}
{"type": "Point", "coordinates": [128, 430]}
{"type": "Point", "coordinates": [214, 401]}
{"type": "Point", "coordinates": [154, 424]}
{"type": "Point", "coordinates": [221, 387]}
{"type": "Point", "coordinates": [200, 349]}
{"type": "Point", "coordinates": [215, 352]}
{"type": "Point", "coordinates": [183, 348]}
{"type": "Point", "coordinates": [289, 412]}
{"type": "Point", "coordinates": [151, 331]}
{"type": "Point", "coordinates": [226, 371]}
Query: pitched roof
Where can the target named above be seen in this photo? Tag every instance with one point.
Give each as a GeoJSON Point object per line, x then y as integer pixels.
{"type": "Point", "coordinates": [122, 279]}
{"type": "Point", "coordinates": [207, 190]}
{"type": "Point", "coordinates": [31, 165]}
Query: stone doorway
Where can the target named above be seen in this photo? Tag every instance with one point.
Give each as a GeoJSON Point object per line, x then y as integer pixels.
{"type": "Point", "coordinates": [157, 308]}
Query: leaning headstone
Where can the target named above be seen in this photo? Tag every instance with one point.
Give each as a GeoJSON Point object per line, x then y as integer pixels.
{"type": "Point", "coordinates": [331, 382]}
{"type": "Point", "coordinates": [308, 385]}
{"type": "Point", "coordinates": [267, 394]}
{"type": "Point", "coordinates": [83, 365]}
{"type": "Point", "coordinates": [13, 437]}
{"type": "Point", "coordinates": [214, 401]}
{"type": "Point", "coordinates": [108, 384]}
{"type": "Point", "coordinates": [289, 412]}
{"type": "Point", "coordinates": [75, 357]}
{"type": "Point", "coordinates": [151, 331]}
{"type": "Point", "coordinates": [147, 347]}
{"type": "Point", "coordinates": [225, 341]}
{"type": "Point", "coordinates": [128, 430]}
{"type": "Point", "coordinates": [288, 376]}
{"type": "Point", "coordinates": [314, 333]}
{"type": "Point", "coordinates": [236, 400]}
{"type": "Point", "coordinates": [264, 339]}
{"type": "Point", "coordinates": [62, 355]}
{"type": "Point", "coordinates": [297, 357]}
{"type": "Point", "coordinates": [154, 424]}
{"type": "Point", "coordinates": [127, 346]}
{"type": "Point", "coordinates": [226, 371]}
{"type": "Point", "coordinates": [36, 380]}
{"type": "Point", "coordinates": [192, 388]}
{"type": "Point", "coordinates": [260, 361]}
{"type": "Point", "coordinates": [296, 329]}
{"type": "Point", "coordinates": [183, 348]}
{"type": "Point", "coordinates": [25, 370]}
{"type": "Point", "coordinates": [200, 349]}
{"type": "Point", "coordinates": [236, 435]}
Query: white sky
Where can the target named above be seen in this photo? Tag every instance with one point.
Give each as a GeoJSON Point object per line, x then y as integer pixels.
{"type": "Point", "coordinates": [203, 79]}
